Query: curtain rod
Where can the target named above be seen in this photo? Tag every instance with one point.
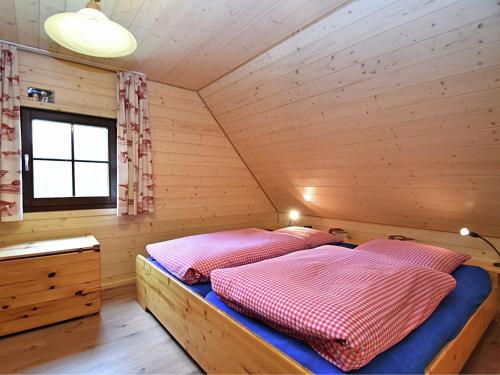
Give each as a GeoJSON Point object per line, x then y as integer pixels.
{"type": "Point", "coordinates": [77, 60]}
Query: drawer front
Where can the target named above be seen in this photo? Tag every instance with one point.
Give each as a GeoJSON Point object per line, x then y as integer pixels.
{"type": "Point", "coordinates": [48, 289]}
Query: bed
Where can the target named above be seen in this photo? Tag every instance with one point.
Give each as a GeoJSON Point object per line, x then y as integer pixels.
{"type": "Point", "coordinates": [204, 288]}
{"type": "Point", "coordinates": [220, 343]}
{"type": "Point", "coordinates": [473, 287]}
{"type": "Point", "coordinates": [192, 258]}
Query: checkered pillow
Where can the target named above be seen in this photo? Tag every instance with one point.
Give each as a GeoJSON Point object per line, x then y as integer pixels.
{"type": "Point", "coordinates": [192, 258]}
{"type": "Point", "coordinates": [440, 259]}
{"type": "Point", "coordinates": [348, 305]}
{"type": "Point", "coordinates": [313, 237]}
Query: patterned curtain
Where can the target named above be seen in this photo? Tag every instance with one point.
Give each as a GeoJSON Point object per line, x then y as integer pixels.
{"type": "Point", "coordinates": [11, 202]}
{"type": "Point", "coordinates": [135, 166]}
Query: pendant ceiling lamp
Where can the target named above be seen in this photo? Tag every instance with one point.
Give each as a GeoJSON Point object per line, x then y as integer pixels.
{"type": "Point", "coordinates": [90, 32]}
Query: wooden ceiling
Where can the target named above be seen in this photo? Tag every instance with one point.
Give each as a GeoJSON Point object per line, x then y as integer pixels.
{"type": "Point", "coordinates": [384, 112]}
{"type": "Point", "coordinates": [186, 43]}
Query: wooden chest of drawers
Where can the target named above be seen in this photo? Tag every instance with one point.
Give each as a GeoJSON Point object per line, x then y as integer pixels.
{"type": "Point", "coordinates": [47, 282]}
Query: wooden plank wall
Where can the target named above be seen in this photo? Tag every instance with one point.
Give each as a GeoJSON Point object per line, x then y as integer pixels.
{"type": "Point", "coordinates": [78, 88]}
{"type": "Point", "coordinates": [201, 183]}
{"type": "Point", "coordinates": [386, 112]}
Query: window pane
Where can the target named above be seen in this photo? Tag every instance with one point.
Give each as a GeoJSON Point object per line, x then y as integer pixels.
{"type": "Point", "coordinates": [51, 139]}
{"type": "Point", "coordinates": [91, 179]}
{"type": "Point", "coordinates": [91, 142]}
{"type": "Point", "coordinates": [52, 179]}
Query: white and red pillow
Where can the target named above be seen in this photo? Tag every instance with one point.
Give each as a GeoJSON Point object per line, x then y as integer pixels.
{"type": "Point", "coordinates": [435, 257]}
{"type": "Point", "coordinates": [313, 237]}
{"type": "Point", "coordinates": [192, 258]}
{"type": "Point", "coordinates": [348, 305]}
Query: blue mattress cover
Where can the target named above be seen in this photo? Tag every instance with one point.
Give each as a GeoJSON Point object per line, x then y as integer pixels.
{"type": "Point", "coordinates": [411, 355]}
{"type": "Point", "coordinates": [204, 288]}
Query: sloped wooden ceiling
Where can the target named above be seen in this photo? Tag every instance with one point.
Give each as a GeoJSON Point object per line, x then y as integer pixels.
{"type": "Point", "coordinates": [187, 43]}
{"type": "Point", "coordinates": [385, 111]}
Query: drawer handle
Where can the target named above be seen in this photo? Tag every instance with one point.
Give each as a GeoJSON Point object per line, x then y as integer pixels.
{"type": "Point", "coordinates": [4, 307]}
{"type": "Point", "coordinates": [52, 274]}
{"type": "Point", "coordinates": [79, 293]}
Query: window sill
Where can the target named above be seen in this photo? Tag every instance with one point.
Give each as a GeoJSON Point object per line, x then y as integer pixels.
{"type": "Point", "coordinates": [72, 213]}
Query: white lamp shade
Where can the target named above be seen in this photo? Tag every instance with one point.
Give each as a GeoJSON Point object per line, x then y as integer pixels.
{"type": "Point", "coordinates": [464, 232]}
{"type": "Point", "coordinates": [90, 32]}
{"type": "Point", "coordinates": [293, 215]}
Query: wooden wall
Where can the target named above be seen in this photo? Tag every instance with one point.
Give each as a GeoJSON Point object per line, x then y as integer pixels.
{"type": "Point", "coordinates": [78, 88]}
{"type": "Point", "coordinates": [201, 183]}
{"type": "Point", "coordinates": [386, 111]}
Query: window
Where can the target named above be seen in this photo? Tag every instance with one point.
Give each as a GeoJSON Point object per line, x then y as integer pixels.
{"type": "Point", "coordinates": [69, 161]}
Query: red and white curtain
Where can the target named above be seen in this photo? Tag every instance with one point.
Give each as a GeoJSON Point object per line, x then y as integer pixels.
{"type": "Point", "coordinates": [11, 202]}
{"type": "Point", "coordinates": [135, 165]}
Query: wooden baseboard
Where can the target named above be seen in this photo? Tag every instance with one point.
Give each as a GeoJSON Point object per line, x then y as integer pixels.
{"type": "Point", "coordinates": [115, 284]}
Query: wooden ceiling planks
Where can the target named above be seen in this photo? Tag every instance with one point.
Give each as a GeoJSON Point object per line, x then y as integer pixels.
{"type": "Point", "coordinates": [186, 43]}
{"type": "Point", "coordinates": [47, 9]}
{"type": "Point", "coordinates": [383, 112]}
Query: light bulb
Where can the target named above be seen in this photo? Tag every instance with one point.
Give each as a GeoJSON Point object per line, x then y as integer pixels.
{"type": "Point", "coordinates": [464, 232]}
{"type": "Point", "coordinates": [294, 215]}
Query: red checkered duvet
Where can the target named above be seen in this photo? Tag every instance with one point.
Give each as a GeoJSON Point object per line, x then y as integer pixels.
{"type": "Point", "coordinates": [347, 305]}
{"type": "Point", "coordinates": [192, 258]}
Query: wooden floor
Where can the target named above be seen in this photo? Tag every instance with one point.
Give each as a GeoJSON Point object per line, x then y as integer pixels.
{"type": "Point", "coordinates": [124, 339]}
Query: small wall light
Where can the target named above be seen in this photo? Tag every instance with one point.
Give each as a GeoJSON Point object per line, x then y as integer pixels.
{"type": "Point", "coordinates": [293, 215]}
{"type": "Point", "coordinates": [466, 232]}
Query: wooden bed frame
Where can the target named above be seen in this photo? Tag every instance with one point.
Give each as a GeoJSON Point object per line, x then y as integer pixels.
{"type": "Point", "coordinates": [220, 344]}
